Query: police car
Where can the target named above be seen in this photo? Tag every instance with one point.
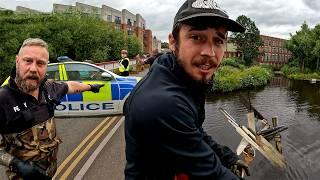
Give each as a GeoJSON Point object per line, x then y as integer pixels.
{"type": "Point", "coordinates": [110, 98]}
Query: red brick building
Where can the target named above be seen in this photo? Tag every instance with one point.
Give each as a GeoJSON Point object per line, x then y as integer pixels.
{"type": "Point", "coordinates": [231, 50]}
{"type": "Point", "coordinates": [273, 51]}
{"type": "Point", "coordinates": [147, 41]}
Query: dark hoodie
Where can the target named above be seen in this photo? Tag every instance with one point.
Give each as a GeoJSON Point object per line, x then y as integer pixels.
{"type": "Point", "coordinates": [20, 111]}
{"type": "Point", "coordinates": [163, 128]}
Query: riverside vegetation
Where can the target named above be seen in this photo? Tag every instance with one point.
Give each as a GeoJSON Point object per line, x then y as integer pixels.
{"type": "Point", "coordinates": [233, 75]}
{"type": "Point", "coordinates": [305, 47]}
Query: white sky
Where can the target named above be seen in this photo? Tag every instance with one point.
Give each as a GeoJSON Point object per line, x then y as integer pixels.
{"type": "Point", "coordinates": [275, 18]}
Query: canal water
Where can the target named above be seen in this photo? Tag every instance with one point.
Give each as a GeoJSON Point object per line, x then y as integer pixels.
{"type": "Point", "coordinates": [297, 106]}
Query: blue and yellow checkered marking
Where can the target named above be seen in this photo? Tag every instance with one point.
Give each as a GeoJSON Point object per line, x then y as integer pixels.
{"type": "Point", "coordinates": [114, 90]}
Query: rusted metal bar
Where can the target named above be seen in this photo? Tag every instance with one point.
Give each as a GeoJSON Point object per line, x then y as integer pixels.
{"type": "Point", "coordinates": [250, 108]}
{"type": "Point", "coordinates": [277, 136]}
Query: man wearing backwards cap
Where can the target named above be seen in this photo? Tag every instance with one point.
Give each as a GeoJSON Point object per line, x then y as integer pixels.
{"type": "Point", "coordinates": [165, 112]}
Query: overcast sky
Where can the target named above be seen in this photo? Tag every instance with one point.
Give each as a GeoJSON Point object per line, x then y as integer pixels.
{"type": "Point", "coordinates": [275, 18]}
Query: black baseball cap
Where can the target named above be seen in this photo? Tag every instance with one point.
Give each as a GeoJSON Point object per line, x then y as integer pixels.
{"type": "Point", "coordinates": [206, 8]}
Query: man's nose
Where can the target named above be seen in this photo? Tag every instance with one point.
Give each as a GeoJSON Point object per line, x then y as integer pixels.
{"type": "Point", "coordinates": [33, 66]}
{"type": "Point", "coordinates": [208, 49]}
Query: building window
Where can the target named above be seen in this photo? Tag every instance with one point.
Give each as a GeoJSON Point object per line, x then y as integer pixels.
{"type": "Point", "coordinates": [109, 18]}
{"type": "Point", "coordinates": [129, 22]}
{"type": "Point", "coordinates": [117, 27]}
{"type": "Point", "coordinates": [130, 31]}
{"type": "Point", "coordinates": [117, 20]}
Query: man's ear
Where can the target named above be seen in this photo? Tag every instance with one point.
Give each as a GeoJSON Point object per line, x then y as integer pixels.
{"type": "Point", "coordinates": [17, 59]}
{"type": "Point", "coordinates": [172, 43]}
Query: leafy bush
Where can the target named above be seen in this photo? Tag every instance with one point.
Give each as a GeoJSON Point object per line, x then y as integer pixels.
{"type": "Point", "coordinates": [294, 73]}
{"type": "Point", "coordinates": [301, 76]}
{"type": "Point", "coordinates": [234, 62]}
{"type": "Point", "coordinates": [266, 66]}
{"type": "Point", "coordinates": [229, 78]}
{"type": "Point", "coordinates": [254, 76]}
{"type": "Point", "coordinates": [287, 70]}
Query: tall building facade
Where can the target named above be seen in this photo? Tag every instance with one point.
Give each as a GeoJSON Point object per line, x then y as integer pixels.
{"type": "Point", "coordinates": [147, 42]}
{"type": "Point", "coordinates": [21, 9]}
{"type": "Point", "coordinates": [273, 51]}
{"type": "Point", "coordinates": [231, 50]}
{"type": "Point", "coordinates": [123, 20]}
{"type": "Point", "coordinates": [156, 44]}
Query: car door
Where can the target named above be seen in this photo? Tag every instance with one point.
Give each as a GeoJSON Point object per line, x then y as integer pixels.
{"type": "Point", "coordinates": [55, 73]}
{"type": "Point", "coordinates": [88, 103]}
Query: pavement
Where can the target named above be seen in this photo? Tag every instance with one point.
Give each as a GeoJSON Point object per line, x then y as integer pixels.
{"type": "Point", "coordinates": [142, 73]}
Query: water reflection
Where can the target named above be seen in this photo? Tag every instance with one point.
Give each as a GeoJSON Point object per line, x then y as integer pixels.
{"type": "Point", "coordinates": [297, 106]}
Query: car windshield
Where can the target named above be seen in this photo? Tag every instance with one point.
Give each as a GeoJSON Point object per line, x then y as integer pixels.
{"type": "Point", "coordinates": [79, 71]}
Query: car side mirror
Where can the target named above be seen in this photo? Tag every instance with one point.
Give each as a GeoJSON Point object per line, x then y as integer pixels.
{"type": "Point", "coordinates": [106, 76]}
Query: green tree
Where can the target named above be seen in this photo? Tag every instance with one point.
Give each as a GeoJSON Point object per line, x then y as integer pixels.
{"type": "Point", "coordinates": [164, 45]}
{"type": "Point", "coordinates": [316, 49]}
{"type": "Point", "coordinates": [248, 43]}
{"type": "Point", "coordinates": [301, 45]}
{"type": "Point", "coordinates": [134, 46]}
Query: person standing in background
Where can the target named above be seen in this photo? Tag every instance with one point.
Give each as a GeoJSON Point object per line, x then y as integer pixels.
{"type": "Point", "coordinates": [124, 63]}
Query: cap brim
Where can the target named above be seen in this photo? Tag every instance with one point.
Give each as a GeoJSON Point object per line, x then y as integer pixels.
{"type": "Point", "coordinates": [229, 24]}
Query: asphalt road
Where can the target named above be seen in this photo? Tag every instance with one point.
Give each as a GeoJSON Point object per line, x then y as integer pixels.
{"type": "Point", "coordinates": [93, 148]}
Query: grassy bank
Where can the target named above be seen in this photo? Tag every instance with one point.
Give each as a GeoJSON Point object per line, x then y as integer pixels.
{"type": "Point", "coordinates": [235, 76]}
{"type": "Point", "coordinates": [294, 73]}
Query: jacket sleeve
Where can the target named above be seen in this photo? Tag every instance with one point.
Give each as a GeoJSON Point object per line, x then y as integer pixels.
{"type": "Point", "coordinates": [182, 143]}
{"type": "Point", "coordinates": [56, 89]}
{"type": "Point", "coordinates": [2, 124]}
{"type": "Point", "coordinates": [226, 155]}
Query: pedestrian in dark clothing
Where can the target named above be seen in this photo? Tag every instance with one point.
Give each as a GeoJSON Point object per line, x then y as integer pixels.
{"type": "Point", "coordinates": [165, 112]}
{"type": "Point", "coordinates": [154, 56]}
{"type": "Point", "coordinates": [29, 143]}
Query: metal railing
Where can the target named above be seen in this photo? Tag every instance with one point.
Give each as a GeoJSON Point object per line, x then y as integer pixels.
{"type": "Point", "coordinates": [112, 65]}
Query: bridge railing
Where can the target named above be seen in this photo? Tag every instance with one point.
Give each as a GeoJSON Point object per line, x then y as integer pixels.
{"type": "Point", "coordinates": [114, 65]}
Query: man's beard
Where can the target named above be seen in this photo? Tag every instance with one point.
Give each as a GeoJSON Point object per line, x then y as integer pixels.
{"type": "Point", "coordinates": [204, 81]}
{"type": "Point", "coordinates": [26, 87]}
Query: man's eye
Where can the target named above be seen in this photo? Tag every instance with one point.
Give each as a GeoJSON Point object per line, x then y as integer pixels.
{"type": "Point", "coordinates": [219, 41]}
{"type": "Point", "coordinates": [28, 60]}
{"type": "Point", "coordinates": [195, 37]}
{"type": "Point", "coordinates": [41, 63]}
